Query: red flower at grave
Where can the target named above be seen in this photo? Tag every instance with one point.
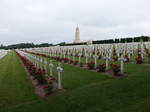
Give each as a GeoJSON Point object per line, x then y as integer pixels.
{"type": "Point", "coordinates": [50, 80]}
{"type": "Point", "coordinates": [115, 68]}
{"type": "Point", "coordinates": [101, 68]}
{"type": "Point", "coordinates": [71, 61]}
{"type": "Point", "coordinates": [75, 62]}
{"type": "Point", "coordinates": [91, 65]}
{"type": "Point", "coordinates": [66, 60]}
{"type": "Point", "coordinates": [45, 86]}
{"type": "Point", "coordinates": [139, 59]}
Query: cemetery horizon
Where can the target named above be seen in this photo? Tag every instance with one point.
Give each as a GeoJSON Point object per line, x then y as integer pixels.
{"type": "Point", "coordinates": [55, 43]}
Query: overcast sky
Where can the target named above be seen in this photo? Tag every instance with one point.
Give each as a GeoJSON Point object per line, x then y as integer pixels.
{"type": "Point", "coordinates": [54, 21]}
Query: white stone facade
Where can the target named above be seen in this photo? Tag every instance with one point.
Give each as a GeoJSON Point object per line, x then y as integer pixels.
{"type": "Point", "coordinates": [77, 36]}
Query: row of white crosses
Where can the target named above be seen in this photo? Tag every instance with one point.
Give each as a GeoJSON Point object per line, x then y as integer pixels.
{"type": "Point", "coordinates": [104, 50]}
{"type": "Point", "coordinates": [95, 56]}
{"type": "Point", "coordinates": [37, 61]}
{"type": "Point", "coordinates": [68, 51]}
{"type": "Point", "coordinates": [3, 53]}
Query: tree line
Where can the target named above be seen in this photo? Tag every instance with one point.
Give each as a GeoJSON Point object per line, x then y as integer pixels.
{"type": "Point", "coordinates": [108, 41]}
{"type": "Point", "coordinates": [111, 41]}
{"type": "Point", "coordinates": [25, 45]}
{"type": "Point", "coordinates": [123, 40]}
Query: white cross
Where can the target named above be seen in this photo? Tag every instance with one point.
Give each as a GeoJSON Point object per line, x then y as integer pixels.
{"type": "Point", "coordinates": [80, 57]}
{"type": "Point", "coordinates": [51, 68]}
{"type": "Point", "coordinates": [121, 60]}
{"type": "Point", "coordinates": [107, 59]}
{"type": "Point", "coordinates": [59, 69]}
{"type": "Point", "coordinates": [95, 57]}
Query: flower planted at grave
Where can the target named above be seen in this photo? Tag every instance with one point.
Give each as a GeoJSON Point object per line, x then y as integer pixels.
{"type": "Point", "coordinates": [54, 57]}
{"type": "Point", "coordinates": [66, 60]}
{"type": "Point", "coordinates": [58, 59]}
{"type": "Point", "coordinates": [50, 79]}
{"type": "Point", "coordinates": [51, 84]}
{"type": "Point", "coordinates": [139, 59]}
{"type": "Point", "coordinates": [81, 64]}
{"type": "Point", "coordinates": [101, 68]}
{"type": "Point", "coordinates": [71, 62]}
{"type": "Point", "coordinates": [61, 60]}
{"type": "Point", "coordinates": [33, 74]}
{"type": "Point", "coordinates": [29, 65]}
{"type": "Point", "coordinates": [115, 58]}
{"type": "Point", "coordinates": [32, 71]}
{"type": "Point", "coordinates": [48, 89]}
{"type": "Point", "coordinates": [91, 65]}
{"type": "Point", "coordinates": [40, 76]}
{"type": "Point", "coordinates": [75, 62]}
{"type": "Point", "coordinates": [115, 68]}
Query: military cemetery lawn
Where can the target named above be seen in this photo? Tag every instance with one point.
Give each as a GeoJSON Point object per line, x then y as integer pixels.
{"type": "Point", "coordinates": [84, 90]}
{"type": "Point", "coordinates": [15, 88]}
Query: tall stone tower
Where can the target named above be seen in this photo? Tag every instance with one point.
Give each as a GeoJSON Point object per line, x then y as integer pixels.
{"type": "Point", "coordinates": [77, 35]}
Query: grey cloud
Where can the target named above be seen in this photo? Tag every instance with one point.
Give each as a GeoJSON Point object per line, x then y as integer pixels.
{"type": "Point", "coordinates": [55, 21]}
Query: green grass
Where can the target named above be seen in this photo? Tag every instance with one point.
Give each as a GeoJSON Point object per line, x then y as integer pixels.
{"type": "Point", "coordinates": [85, 91]}
{"type": "Point", "coordinates": [99, 61]}
{"type": "Point", "coordinates": [15, 88]}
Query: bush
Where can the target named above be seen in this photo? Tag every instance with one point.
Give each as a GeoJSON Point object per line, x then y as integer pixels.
{"type": "Point", "coordinates": [48, 88]}
{"type": "Point", "coordinates": [40, 76]}
{"type": "Point", "coordinates": [75, 62]}
{"type": "Point", "coordinates": [115, 68]}
{"type": "Point", "coordinates": [66, 60]}
{"type": "Point", "coordinates": [139, 59]}
{"type": "Point", "coordinates": [81, 64]}
{"type": "Point", "coordinates": [101, 68]}
{"type": "Point", "coordinates": [91, 65]}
